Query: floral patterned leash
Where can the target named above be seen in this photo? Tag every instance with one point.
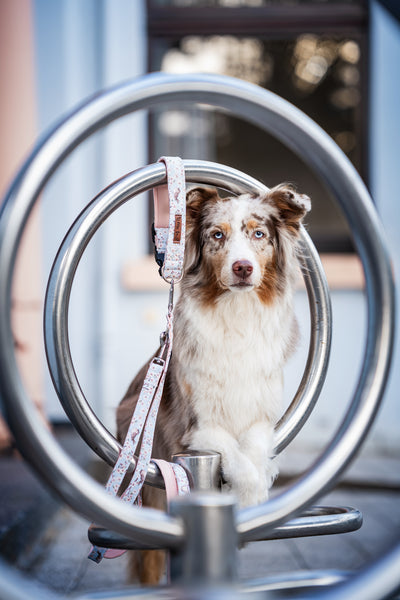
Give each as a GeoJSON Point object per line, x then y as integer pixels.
{"type": "Point", "coordinates": [169, 239]}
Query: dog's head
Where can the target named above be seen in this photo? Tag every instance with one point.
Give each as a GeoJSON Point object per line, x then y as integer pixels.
{"type": "Point", "coordinates": [242, 244]}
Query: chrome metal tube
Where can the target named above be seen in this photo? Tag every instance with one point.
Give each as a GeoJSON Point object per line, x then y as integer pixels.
{"type": "Point", "coordinates": [306, 139]}
{"type": "Point", "coordinates": [377, 580]}
{"type": "Point", "coordinates": [210, 556]}
{"type": "Point", "coordinates": [318, 520]}
{"type": "Point", "coordinates": [202, 467]}
{"type": "Point", "coordinates": [61, 280]}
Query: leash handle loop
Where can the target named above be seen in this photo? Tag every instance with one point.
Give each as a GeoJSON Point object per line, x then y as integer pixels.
{"type": "Point", "coordinates": [170, 220]}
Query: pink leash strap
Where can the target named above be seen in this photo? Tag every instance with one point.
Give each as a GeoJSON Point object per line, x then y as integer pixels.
{"type": "Point", "coordinates": [176, 484]}
{"type": "Point", "coordinates": [175, 478]}
{"type": "Point", "coordinates": [170, 243]}
{"type": "Point", "coordinates": [170, 220]}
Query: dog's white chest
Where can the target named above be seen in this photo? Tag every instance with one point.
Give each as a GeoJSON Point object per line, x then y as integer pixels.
{"type": "Point", "coordinates": [233, 362]}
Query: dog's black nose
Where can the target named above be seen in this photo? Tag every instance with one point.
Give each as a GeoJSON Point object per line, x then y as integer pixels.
{"type": "Point", "coordinates": [242, 268]}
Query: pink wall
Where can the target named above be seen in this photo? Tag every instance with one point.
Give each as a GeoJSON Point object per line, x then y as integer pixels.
{"type": "Point", "coordinates": [18, 132]}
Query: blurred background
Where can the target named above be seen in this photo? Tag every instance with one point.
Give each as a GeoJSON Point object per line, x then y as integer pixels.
{"type": "Point", "coordinates": [335, 60]}
{"type": "Point", "coordinates": [338, 61]}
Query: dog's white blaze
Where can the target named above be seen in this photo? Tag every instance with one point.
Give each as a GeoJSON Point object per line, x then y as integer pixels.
{"type": "Point", "coordinates": [239, 246]}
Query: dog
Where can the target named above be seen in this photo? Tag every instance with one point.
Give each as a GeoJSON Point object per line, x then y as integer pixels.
{"type": "Point", "coordinates": [234, 329]}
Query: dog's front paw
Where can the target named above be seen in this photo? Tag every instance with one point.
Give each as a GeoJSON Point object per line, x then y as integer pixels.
{"type": "Point", "coordinates": [250, 496]}
{"type": "Point", "coordinates": [253, 492]}
{"type": "Point", "coordinates": [249, 482]}
{"type": "Point", "coordinates": [243, 479]}
{"type": "Point", "coordinates": [260, 492]}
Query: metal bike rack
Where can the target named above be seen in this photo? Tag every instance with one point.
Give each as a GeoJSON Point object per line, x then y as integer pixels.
{"type": "Point", "coordinates": [180, 530]}
{"type": "Point", "coordinates": [62, 276]}
{"type": "Point", "coordinates": [63, 373]}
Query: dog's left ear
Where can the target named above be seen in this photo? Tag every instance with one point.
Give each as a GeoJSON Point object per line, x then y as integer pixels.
{"type": "Point", "coordinates": [196, 200]}
{"type": "Point", "coordinates": [292, 207]}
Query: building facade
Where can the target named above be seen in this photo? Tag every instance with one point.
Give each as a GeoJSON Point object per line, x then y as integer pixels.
{"type": "Point", "coordinates": [344, 76]}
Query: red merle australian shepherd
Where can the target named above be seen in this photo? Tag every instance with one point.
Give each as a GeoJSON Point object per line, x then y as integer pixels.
{"type": "Point", "coordinates": [234, 329]}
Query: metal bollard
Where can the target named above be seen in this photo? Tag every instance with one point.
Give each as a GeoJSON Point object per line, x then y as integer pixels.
{"type": "Point", "coordinates": [209, 553]}
{"type": "Point", "coordinates": [203, 468]}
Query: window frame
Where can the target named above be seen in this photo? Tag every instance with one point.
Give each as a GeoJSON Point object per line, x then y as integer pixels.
{"type": "Point", "coordinates": [271, 23]}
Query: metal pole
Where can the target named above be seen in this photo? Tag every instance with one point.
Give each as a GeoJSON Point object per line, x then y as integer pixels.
{"type": "Point", "coordinates": [203, 469]}
{"type": "Point", "coordinates": [209, 555]}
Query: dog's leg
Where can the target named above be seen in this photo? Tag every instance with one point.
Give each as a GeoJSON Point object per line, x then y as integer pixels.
{"type": "Point", "coordinates": [239, 472]}
{"type": "Point", "coordinates": [257, 444]}
{"type": "Point", "coordinates": [148, 566]}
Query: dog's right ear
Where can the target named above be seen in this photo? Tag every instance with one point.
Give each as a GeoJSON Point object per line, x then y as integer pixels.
{"type": "Point", "coordinates": [196, 198]}
{"type": "Point", "coordinates": [196, 201]}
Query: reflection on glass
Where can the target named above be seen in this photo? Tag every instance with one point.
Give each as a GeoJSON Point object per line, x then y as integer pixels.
{"type": "Point", "coordinates": [319, 74]}
{"type": "Point", "coordinates": [239, 57]}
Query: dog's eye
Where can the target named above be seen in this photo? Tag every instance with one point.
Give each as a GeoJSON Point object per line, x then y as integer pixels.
{"type": "Point", "coordinates": [218, 235]}
{"type": "Point", "coordinates": [258, 234]}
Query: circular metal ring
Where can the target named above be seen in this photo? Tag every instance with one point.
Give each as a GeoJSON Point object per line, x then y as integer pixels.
{"type": "Point", "coordinates": [316, 148]}
{"type": "Point", "coordinates": [60, 284]}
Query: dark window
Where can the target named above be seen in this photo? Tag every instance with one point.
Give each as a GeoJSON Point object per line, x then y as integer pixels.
{"type": "Point", "coordinates": [313, 54]}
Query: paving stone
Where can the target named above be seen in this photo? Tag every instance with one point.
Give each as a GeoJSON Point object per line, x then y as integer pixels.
{"type": "Point", "coordinates": [343, 552]}
{"type": "Point", "coordinates": [258, 559]}
{"type": "Point", "coordinates": [60, 559]}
